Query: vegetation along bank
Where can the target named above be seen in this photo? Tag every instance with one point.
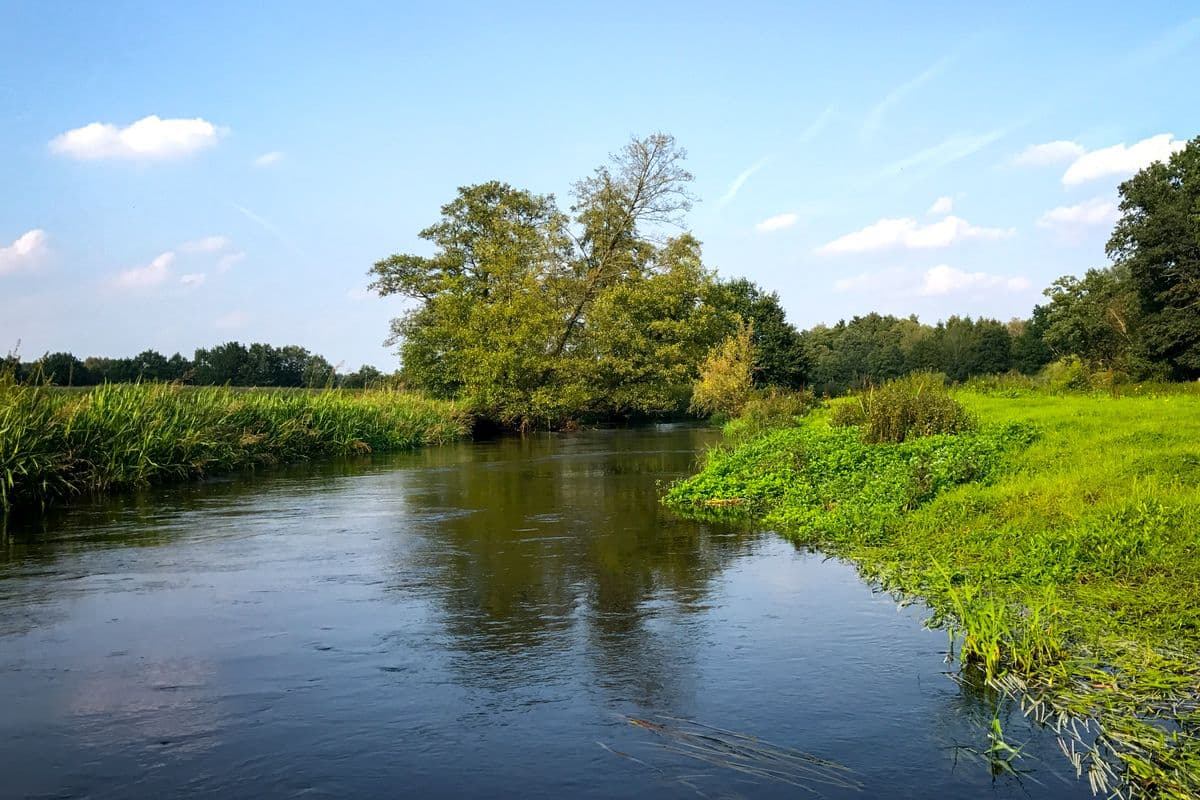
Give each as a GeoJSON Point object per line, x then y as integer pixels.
{"type": "Point", "coordinates": [55, 444]}
{"type": "Point", "coordinates": [1056, 536]}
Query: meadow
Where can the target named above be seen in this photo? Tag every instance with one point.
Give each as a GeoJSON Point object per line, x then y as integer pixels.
{"type": "Point", "coordinates": [1056, 538]}
{"type": "Point", "coordinates": [55, 445]}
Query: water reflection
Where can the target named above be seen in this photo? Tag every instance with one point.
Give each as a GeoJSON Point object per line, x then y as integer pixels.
{"type": "Point", "coordinates": [472, 620]}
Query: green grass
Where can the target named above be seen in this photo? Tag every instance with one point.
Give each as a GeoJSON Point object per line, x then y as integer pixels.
{"type": "Point", "coordinates": [1059, 542]}
{"type": "Point", "coordinates": [55, 445]}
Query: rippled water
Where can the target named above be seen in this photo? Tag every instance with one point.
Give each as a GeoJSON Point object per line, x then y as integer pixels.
{"type": "Point", "coordinates": [479, 620]}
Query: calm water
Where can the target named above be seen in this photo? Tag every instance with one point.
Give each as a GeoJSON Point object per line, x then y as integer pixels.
{"type": "Point", "coordinates": [478, 620]}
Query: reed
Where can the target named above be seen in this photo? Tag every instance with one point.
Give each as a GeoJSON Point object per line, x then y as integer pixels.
{"type": "Point", "coordinates": [55, 445]}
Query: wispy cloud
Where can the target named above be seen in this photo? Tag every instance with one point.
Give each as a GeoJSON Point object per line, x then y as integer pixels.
{"type": "Point", "coordinates": [149, 139]}
{"type": "Point", "coordinates": [24, 253]}
{"type": "Point", "coordinates": [736, 185]}
{"type": "Point", "coordinates": [874, 118]}
{"type": "Point", "coordinates": [909, 234]}
{"type": "Point", "coordinates": [1166, 45]}
{"type": "Point", "coordinates": [153, 274]}
{"type": "Point", "coordinates": [1121, 159]}
{"type": "Point", "coordinates": [193, 279]}
{"type": "Point", "coordinates": [946, 152]}
{"type": "Point", "coordinates": [269, 227]}
{"type": "Point", "coordinates": [1042, 155]}
{"type": "Point", "coordinates": [268, 159]}
{"type": "Point", "coordinates": [777, 223]}
{"type": "Point", "coordinates": [816, 127]}
{"type": "Point", "coordinates": [229, 261]}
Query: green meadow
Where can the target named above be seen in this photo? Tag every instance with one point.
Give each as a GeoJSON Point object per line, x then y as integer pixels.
{"type": "Point", "coordinates": [55, 445]}
{"type": "Point", "coordinates": [1056, 538]}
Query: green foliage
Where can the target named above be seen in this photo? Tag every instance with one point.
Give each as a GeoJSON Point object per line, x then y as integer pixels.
{"type": "Point", "coordinates": [781, 358]}
{"type": "Point", "coordinates": [1057, 542]}
{"type": "Point", "coordinates": [54, 444]}
{"type": "Point", "coordinates": [726, 375]}
{"type": "Point", "coordinates": [916, 405]}
{"type": "Point", "coordinates": [770, 410]}
{"type": "Point", "coordinates": [1157, 245]}
{"type": "Point", "coordinates": [537, 316]}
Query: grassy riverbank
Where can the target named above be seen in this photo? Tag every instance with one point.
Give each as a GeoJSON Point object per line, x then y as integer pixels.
{"type": "Point", "coordinates": [1059, 540]}
{"type": "Point", "coordinates": [54, 445]}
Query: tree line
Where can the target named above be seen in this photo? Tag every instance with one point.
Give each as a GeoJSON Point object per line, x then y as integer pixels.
{"type": "Point", "coordinates": [537, 313]}
{"type": "Point", "coordinates": [231, 363]}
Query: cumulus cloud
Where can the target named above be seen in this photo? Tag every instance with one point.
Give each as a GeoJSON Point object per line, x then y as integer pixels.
{"type": "Point", "coordinates": [209, 244]}
{"type": "Point", "coordinates": [1043, 155]}
{"type": "Point", "coordinates": [943, 205]}
{"type": "Point", "coordinates": [937, 281]}
{"type": "Point", "coordinates": [153, 274]}
{"type": "Point", "coordinates": [1121, 159]}
{"type": "Point", "coordinates": [24, 253]}
{"type": "Point", "coordinates": [193, 279]}
{"type": "Point", "coordinates": [268, 159]}
{"type": "Point", "coordinates": [777, 223]}
{"type": "Point", "coordinates": [148, 139]}
{"type": "Point", "coordinates": [944, 279]}
{"type": "Point", "coordinates": [907, 233]}
{"type": "Point", "coordinates": [1097, 211]}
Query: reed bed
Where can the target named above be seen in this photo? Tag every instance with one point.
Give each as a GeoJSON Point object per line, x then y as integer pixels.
{"type": "Point", "coordinates": [55, 445]}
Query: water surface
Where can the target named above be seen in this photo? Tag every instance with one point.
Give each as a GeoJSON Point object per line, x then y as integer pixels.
{"type": "Point", "coordinates": [478, 620]}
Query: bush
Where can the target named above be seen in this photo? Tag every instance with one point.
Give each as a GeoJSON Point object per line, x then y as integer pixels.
{"type": "Point", "coordinates": [771, 410]}
{"type": "Point", "coordinates": [917, 405]}
{"type": "Point", "coordinates": [727, 376]}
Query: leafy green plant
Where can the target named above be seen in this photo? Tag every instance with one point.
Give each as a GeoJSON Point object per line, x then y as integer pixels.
{"type": "Point", "coordinates": [916, 405]}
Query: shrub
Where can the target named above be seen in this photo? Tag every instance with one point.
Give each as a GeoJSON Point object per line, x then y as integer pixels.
{"type": "Point", "coordinates": [771, 410]}
{"type": "Point", "coordinates": [727, 375]}
{"type": "Point", "coordinates": [917, 405]}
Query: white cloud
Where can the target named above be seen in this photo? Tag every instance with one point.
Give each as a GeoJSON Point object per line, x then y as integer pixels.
{"type": "Point", "coordinates": [777, 223]}
{"type": "Point", "coordinates": [209, 244]}
{"type": "Point", "coordinates": [23, 253]}
{"type": "Point", "coordinates": [1042, 155]}
{"type": "Point", "coordinates": [907, 233]}
{"type": "Point", "coordinates": [944, 279]}
{"type": "Point", "coordinates": [193, 279]}
{"type": "Point", "coordinates": [229, 261]}
{"type": "Point", "coordinates": [736, 185]}
{"type": "Point", "coordinates": [937, 281]}
{"type": "Point", "coordinates": [1121, 159]}
{"type": "Point", "coordinates": [150, 138]}
{"type": "Point", "coordinates": [941, 206]}
{"type": "Point", "coordinates": [234, 319]}
{"type": "Point", "coordinates": [1097, 211]}
{"type": "Point", "coordinates": [153, 274]}
{"type": "Point", "coordinates": [268, 159]}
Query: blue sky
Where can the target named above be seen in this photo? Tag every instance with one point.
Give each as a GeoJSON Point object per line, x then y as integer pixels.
{"type": "Point", "coordinates": [181, 175]}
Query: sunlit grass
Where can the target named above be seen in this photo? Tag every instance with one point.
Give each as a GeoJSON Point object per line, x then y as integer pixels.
{"type": "Point", "coordinates": [1060, 543]}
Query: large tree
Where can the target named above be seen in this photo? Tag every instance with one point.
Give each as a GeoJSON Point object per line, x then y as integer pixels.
{"type": "Point", "coordinates": [536, 315]}
{"type": "Point", "coordinates": [1157, 241]}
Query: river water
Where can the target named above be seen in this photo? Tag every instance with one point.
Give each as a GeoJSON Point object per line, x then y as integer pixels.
{"type": "Point", "coordinates": [515, 618]}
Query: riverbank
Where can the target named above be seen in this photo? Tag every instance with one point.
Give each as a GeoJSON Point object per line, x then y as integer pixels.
{"type": "Point", "coordinates": [1059, 543]}
{"type": "Point", "coordinates": [55, 445]}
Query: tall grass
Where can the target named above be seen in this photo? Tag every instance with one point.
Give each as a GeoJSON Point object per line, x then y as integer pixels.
{"type": "Point", "coordinates": [1059, 541]}
{"type": "Point", "coordinates": [916, 405]}
{"type": "Point", "coordinates": [54, 445]}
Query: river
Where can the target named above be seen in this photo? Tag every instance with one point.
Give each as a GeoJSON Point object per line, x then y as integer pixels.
{"type": "Point", "coordinates": [511, 618]}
